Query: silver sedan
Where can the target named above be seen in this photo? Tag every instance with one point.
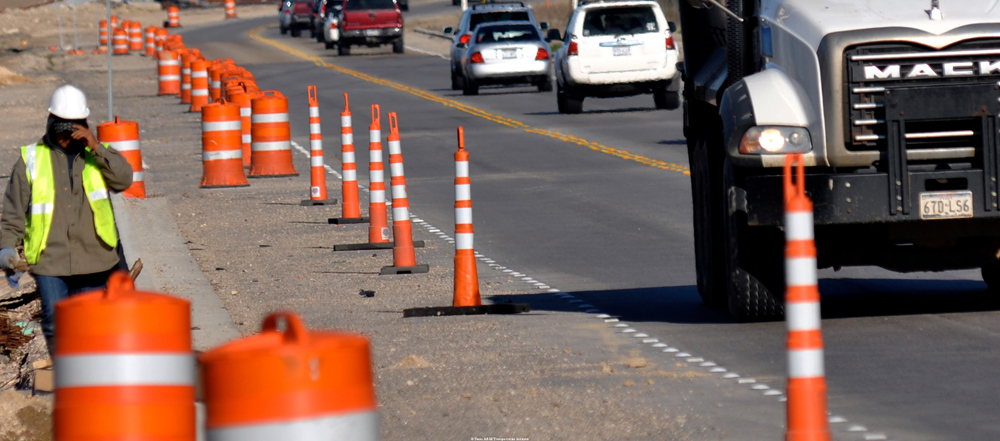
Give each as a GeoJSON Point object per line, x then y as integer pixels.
{"type": "Point", "coordinates": [506, 53]}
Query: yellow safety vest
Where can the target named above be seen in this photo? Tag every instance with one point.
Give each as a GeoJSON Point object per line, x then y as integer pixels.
{"type": "Point", "coordinates": [38, 165]}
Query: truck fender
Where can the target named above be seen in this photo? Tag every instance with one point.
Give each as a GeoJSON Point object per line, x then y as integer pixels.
{"type": "Point", "coordinates": [766, 98]}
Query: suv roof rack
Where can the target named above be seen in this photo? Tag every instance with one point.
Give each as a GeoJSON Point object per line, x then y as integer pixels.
{"type": "Point", "coordinates": [488, 3]}
{"type": "Point", "coordinates": [590, 2]}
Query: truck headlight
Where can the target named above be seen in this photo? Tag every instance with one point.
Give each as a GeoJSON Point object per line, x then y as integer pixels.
{"type": "Point", "coordinates": [775, 139]}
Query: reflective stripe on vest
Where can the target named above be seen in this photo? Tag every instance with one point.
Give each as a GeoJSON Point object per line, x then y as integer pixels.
{"type": "Point", "coordinates": [38, 167]}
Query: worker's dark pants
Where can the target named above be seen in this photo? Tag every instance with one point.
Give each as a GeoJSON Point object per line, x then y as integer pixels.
{"type": "Point", "coordinates": [52, 289]}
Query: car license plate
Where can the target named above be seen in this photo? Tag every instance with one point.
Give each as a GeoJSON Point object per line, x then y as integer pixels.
{"type": "Point", "coordinates": [619, 51]}
{"type": "Point", "coordinates": [372, 32]}
{"type": "Point", "coordinates": [508, 54]}
{"type": "Point", "coordinates": [946, 205]}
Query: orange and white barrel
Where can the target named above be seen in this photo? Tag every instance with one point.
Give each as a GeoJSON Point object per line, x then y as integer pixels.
{"type": "Point", "coordinates": [173, 17]}
{"type": "Point", "coordinates": [466, 275]}
{"type": "Point", "coordinates": [103, 32]}
{"type": "Point", "coordinates": [317, 175]}
{"type": "Point", "coordinates": [244, 99]}
{"type": "Point", "coordinates": [806, 405]}
{"type": "Point", "coordinates": [378, 228]}
{"type": "Point", "coordinates": [293, 384]}
{"type": "Point", "coordinates": [150, 41]}
{"type": "Point", "coordinates": [221, 150]}
{"type": "Point", "coordinates": [124, 137]}
{"type": "Point", "coordinates": [160, 38]}
{"type": "Point", "coordinates": [271, 142]}
{"type": "Point", "coordinates": [115, 21]}
{"type": "Point", "coordinates": [169, 70]}
{"type": "Point", "coordinates": [199, 84]}
{"type": "Point", "coordinates": [230, 8]}
{"type": "Point", "coordinates": [124, 368]}
{"type": "Point", "coordinates": [135, 37]}
{"type": "Point", "coordinates": [186, 60]}
{"type": "Point", "coordinates": [348, 167]}
{"type": "Point", "coordinates": [403, 254]}
{"type": "Point", "coordinates": [215, 71]}
{"type": "Point", "coordinates": [120, 42]}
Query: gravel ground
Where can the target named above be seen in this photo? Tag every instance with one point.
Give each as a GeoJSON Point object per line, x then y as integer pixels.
{"type": "Point", "coordinates": [557, 374]}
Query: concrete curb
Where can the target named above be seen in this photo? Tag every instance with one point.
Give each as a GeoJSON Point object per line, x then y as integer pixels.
{"type": "Point", "coordinates": [148, 231]}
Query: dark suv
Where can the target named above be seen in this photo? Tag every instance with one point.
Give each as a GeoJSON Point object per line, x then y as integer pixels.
{"type": "Point", "coordinates": [370, 23]}
{"type": "Point", "coordinates": [296, 15]}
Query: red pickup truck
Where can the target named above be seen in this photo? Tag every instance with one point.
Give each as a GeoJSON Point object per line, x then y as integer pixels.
{"type": "Point", "coordinates": [370, 23]}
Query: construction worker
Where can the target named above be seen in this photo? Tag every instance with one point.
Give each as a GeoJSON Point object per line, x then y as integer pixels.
{"type": "Point", "coordinates": [57, 203]}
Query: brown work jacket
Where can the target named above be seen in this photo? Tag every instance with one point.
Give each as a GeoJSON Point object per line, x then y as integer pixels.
{"type": "Point", "coordinates": [73, 247]}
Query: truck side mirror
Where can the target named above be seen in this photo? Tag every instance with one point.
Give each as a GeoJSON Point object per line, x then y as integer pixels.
{"type": "Point", "coordinates": [543, 25]}
{"type": "Point", "coordinates": [553, 35]}
{"type": "Point", "coordinates": [672, 26]}
{"type": "Point", "coordinates": [448, 30]}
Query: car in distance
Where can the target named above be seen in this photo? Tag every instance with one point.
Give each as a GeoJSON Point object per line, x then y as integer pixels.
{"type": "Point", "coordinates": [330, 32]}
{"type": "Point", "coordinates": [506, 53]}
{"type": "Point", "coordinates": [615, 49]}
{"type": "Point", "coordinates": [474, 16]}
{"type": "Point", "coordinates": [295, 16]}
{"type": "Point", "coordinates": [370, 23]}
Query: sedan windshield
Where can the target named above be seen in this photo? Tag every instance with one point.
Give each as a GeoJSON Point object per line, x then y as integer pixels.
{"type": "Point", "coordinates": [354, 5]}
{"type": "Point", "coordinates": [620, 21]}
{"type": "Point", "coordinates": [504, 34]}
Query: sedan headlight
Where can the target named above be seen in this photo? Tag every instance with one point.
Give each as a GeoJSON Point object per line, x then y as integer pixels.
{"type": "Point", "coordinates": [775, 139]}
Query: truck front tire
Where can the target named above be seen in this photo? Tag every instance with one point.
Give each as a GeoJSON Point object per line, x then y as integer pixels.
{"type": "Point", "coordinates": [343, 49]}
{"type": "Point", "coordinates": [706, 192]}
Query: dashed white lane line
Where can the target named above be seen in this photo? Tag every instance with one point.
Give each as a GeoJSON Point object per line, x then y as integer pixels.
{"type": "Point", "coordinates": [442, 56]}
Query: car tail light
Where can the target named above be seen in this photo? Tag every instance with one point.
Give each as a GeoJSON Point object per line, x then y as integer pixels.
{"type": "Point", "coordinates": [670, 42]}
{"type": "Point", "coordinates": [476, 58]}
{"type": "Point", "coordinates": [287, 11]}
{"type": "Point", "coordinates": [464, 39]}
{"type": "Point", "coordinates": [542, 54]}
{"type": "Point", "coordinates": [333, 24]}
{"type": "Point", "coordinates": [573, 49]}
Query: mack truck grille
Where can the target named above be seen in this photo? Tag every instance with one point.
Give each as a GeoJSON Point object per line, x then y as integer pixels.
{"type": "Point", "coordinates": [925, 109]}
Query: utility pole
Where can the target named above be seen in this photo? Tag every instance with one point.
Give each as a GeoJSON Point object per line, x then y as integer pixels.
{"type": "Point", "coordinates": [111, 99]}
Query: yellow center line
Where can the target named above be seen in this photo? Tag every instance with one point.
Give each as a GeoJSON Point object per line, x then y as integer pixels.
{"type": "Point", "coordinates": [499, 119]}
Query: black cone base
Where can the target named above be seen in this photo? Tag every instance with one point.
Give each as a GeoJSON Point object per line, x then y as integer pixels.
{"type": "Point", "coordinates": [347, 220]}
{"type": "Point", "coordinates": [312, 203]}
{"type": "Point", "coordinates": [502, 308]}
{"type": "Point", "coordinates": [373, 246]}
{"type": "Point", "coordinates": [419, 269]}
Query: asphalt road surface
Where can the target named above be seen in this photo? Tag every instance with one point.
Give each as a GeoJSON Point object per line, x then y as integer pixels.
{"type": "Point", "coordinates": [598, 205]}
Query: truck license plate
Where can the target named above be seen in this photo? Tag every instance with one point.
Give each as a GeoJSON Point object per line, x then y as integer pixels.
{"type": "Point", "coordinates": [945, 205]}
{"type": "Point", "coordinates": [372, 32]}
{"type": "Point", "coordinates": [619, 51]}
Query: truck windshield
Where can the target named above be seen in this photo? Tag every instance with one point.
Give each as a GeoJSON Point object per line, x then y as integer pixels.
{"type": "Point", "coordinates": [505, 34]}
{"type": "Point", "coordinates": [354, 5]}
{"type": "Point", "coordinates": [620, 21]}
{"type": "Point", "coordinates": [490, 17]}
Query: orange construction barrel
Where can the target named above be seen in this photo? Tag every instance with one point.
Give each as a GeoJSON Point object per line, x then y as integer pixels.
{"type": "Point", "coordinates": [271, 142]}
{"type": "Point", "coordinates": [169, 70]}
{"type": "Point", "coordinates": [173, 17]}
{"type": "Point", "coordinates": [124, 369]}
{"type": "Point", "coordinates": [124, 137]}
{"type": "Point", "coordinates": [221, 146]}
{"type": "Point", "coordinates": [293, 384]}
{"type": "Point", "coordinates": [120, 42]}
{"type": "Point", "coordinates": [243, 97]}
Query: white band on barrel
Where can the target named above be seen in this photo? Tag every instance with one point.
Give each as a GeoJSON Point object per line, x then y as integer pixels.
{"type": "Point", "coordinates": [800, 271]}
{"type": "Point", "coordinates": [221, 155]}
{"type": "Point", "coordinates": [270, 146]}
{"type": "Point", "coordinates": [395, 169]}
{"type": "Point", "coordinates": [347, 138]}
{"type": "Point", "coordinates": [349, 427]}
{"type": "Point", "coordinates": [377, 196]}
{"type": "Point", "coordinates": [269, 117]}
{"type": "Point", "coordinates": [805, 363]}
{"type": "Point", "coordinates": [218, 126]}
{"type": "Point", "coordinates": [349, 175]}
{"type": "Point", "coordinates": [463, 215]}
{"type": "Point", "coordinates": [799, 225]}
{"type": "Point", "coordinates": [802, 316]}
{"type": "Point", "coordinates": [463, 192]}
{"type": "Point", "coordinates": [376, 175]}
{"type": "Point", "coordinates": [348, 157]}
{"type": "Point", "coordinates": [462, 169]}
{"type": "Point", "coordinates": [199, 92]}
{"type": "Point", "coordinates": [400, 214]}
{"type": "Point", "coordinates": [394, 148]}
{"type": "Point", "coordinates": [316, 161]}
{"type": "Point", "coordinates": [313, 112]}
{"type": "Point", "coordinates": [463, 241]}
{"type": "Point", "coordinates": [125, 146]}
{"type": "Point", "coordinates": [170, 369]}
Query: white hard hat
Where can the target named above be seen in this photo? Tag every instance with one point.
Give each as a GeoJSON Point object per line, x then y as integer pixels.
{"type": "Point", "coordinates": [68, 102]}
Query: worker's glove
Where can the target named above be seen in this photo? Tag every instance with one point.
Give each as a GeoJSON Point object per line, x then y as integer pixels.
{"type": "Point", "coordinates": [8, 258]}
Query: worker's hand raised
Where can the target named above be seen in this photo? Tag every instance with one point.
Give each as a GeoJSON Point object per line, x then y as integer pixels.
{"type": "Point", "coordinates": [84, 134]}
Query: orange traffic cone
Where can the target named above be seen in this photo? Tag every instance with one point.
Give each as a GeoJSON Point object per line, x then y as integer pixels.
{"type": "Point", "coordinates": [378, 230]}
{"type": "Point", "coordinates": [404, 260]}
{"type": "Point", "coordinates": [222, 152]}
{"type": "Point", "coordinates": [349, 172]}
{"type": "Point", "coordinates": [317, 169]}
{"type": "Point", "coordinates": [123, 379]}
{"type": "Point", "coordinates": [466, 299]}
{"type": "Point", "coordinates": [124, 137]}
{"type": "Point", "coordinates": [807, 419]}
{"type": "Point", "coordinates": [291, 384]}
{"type": "Point", "coordinates": [271, 147]}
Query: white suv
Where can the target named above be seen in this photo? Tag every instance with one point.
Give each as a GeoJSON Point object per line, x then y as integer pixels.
{"type": "Point", "coordinates": [615, 49]}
